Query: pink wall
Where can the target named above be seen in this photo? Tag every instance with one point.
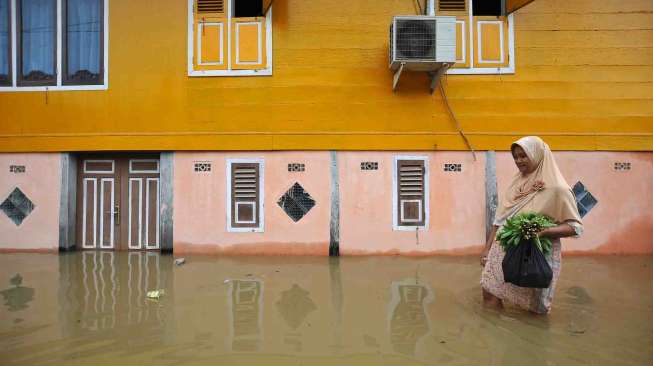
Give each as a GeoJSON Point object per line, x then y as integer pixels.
{"type": "Point", "coordinates": [41, 182]}
{"type": "Point", "coordinates": [457, 206]}
{"type": "Point", "coordinates": [622, 221]}
{"type": "Point", "coordinates": [200, 222]}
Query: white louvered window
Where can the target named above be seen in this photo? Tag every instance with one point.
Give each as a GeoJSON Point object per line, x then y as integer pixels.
{"type": "Point", "coordinates": [411, 190]}
{"type": "Point", "coordinates": [245, 208]}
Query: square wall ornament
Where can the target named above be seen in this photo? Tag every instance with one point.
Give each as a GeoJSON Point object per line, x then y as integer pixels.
{"type": "Point", "coordinates": [17, 206]}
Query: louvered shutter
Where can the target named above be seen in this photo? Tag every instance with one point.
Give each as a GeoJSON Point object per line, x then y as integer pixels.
{"type": "Point", "coordinates": [452, 5]}
{"type": "Point", "coordinates": [411, 192]}
{"type": "Point", "coordinates": [245, 193]}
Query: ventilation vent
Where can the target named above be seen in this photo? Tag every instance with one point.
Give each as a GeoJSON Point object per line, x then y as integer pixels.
{"type": "Point", "coordinates": [415, 39]}
{"type": "Point", "coordinates": [296, 167]}
{"type": "Point", "coordinates": [411, 180]}
{"type": "Point", "coordinates": [296, 202]}
{"type": "Point", "coordinates": [17, 206]}
{"type": "Point", "coordinates": [584, 199]}
{"type": "Point", "coordinates": [369, 165]}
{"type": "Point", "coordinates": [202, 167]}
{"type": "Point", "coordinates": [21, 168]}
{"type": "Point", "coordinates": [453, 167]}
{"type": "Point", "coordinates": [210, 6]}
{"type": "Point", "coordinates": [245, 182]}
{"type": "Point", "coordinates": [621, 166]}
{"type": "Point", "coordinates": [451, 5]}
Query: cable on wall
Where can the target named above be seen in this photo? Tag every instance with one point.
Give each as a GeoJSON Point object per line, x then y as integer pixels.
{"type": "Point", "coordinates": [455, 120]}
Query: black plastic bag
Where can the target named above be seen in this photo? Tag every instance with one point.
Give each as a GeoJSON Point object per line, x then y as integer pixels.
{"type": "Point", "coordinates": [524, 265]}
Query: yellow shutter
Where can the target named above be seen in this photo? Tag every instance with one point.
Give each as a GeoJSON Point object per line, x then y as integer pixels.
{"type": "Point", "coordinates": [248, 43]}
{"type": "Point", "coordinates": [490, 41]}
{"type": "Point", "coordinates": [210, 35]}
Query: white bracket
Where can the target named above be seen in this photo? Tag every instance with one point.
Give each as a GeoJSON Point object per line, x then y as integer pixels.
{"type": "Point", "coordinates": [395, 79]}
{"type": "Point", "coordinates": [435, 76]}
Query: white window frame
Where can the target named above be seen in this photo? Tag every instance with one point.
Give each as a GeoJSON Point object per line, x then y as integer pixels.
{"type": "Point", "coordinates": [471, 70]}
{"type": "Point", "coordinates": [261, 198]}
{"type": "Point", "coordinates": [59, 64]}
{"type": "Point", "coordinates": [267, 71]}
{"type": "Point", "coordinates": [395, 197]}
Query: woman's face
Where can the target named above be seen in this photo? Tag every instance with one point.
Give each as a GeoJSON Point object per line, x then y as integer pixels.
{"type": "Point", "coordinates": [521, 160]}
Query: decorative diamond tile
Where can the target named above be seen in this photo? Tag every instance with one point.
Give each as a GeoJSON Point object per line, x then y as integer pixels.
{"type": "Point", "coordinates": [584, 199]}
{"type": "Point", "coordinates": [17, 206]}
{"type": "Point", "coordinates": [296, 202]}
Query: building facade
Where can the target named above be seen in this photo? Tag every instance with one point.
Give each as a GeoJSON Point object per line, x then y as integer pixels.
{"type": "Point", "coordinates": [259, 127]}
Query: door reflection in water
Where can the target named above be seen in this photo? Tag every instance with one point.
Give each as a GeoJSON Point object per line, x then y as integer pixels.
{"type": "Point", "coordinates": [245, 304]}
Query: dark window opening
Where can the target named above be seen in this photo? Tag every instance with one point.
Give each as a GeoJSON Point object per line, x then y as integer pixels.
{"type": "Point", "coordinates": [5, 43]}
{"type": "Point", "coordinates": [248, 8]}
{"type": "Point", "coordinates": [487, 7]}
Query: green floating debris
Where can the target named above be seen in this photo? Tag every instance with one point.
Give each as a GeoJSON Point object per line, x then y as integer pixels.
{"type": "Point", "coordinates": [155, 294]}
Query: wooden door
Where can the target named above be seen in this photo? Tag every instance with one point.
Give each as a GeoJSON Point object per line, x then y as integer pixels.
{"type": "Point", "coordinates": [118, 202]}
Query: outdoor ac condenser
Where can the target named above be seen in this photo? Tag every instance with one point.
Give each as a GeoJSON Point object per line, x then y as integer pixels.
{"type": "Point", "coordinates": [422, 43]}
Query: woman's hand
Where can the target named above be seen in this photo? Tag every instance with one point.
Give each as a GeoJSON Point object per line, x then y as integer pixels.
{"type": "Point", "coordinates": [561, 231]}
{"type": "Point", "coordinates": [484, 254]}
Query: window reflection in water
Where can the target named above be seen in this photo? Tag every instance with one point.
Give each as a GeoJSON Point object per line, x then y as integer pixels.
{"type": "Point", "coordinates": [408, 320]}
{"type": "Point", "coordinates": [245, 303]}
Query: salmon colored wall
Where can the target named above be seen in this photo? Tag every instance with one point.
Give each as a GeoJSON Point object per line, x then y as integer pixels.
{"type": "Point", "coordinates": [41, 183]}
{"type": "Point", "coordinates": [622, 220]}
{"type": "Point", "coordinates": [583, 79]}
{"type": "Point", "coordinates": [457, 206]}
{"type": "Point", "coordinates": [200, 223]}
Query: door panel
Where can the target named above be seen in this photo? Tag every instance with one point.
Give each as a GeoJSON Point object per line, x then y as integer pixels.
{"type": "Point", "coordinates": [118, 203]}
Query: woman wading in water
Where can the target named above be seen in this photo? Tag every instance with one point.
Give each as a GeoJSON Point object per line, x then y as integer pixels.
{"type": "Point", "coordinates": [538, 187]}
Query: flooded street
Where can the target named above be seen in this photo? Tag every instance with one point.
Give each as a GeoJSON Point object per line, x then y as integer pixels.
{"type": "Point", "coordinates": [92, 309]}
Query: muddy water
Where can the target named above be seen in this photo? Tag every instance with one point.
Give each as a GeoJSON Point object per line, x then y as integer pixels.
{"type": "Point", "coordinates": [92, 309]}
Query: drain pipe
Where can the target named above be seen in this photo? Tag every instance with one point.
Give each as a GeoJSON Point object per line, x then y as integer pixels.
{"type": "Point", "coordinates": [430, 7]}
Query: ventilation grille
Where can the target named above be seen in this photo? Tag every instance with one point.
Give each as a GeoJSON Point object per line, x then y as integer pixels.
{"type": "Point", "coordinates": [415, 39]}
{"type": "Point", "coordinates": [210, 6]}
{"type": "Point", "coordinates": [451, 5]}
{"type": "Point", "coordinates": [245, 183]}
{"type": "Point", "coordinates": [411, 180]}
{"type": "Point", "coordinates": [296, 202]}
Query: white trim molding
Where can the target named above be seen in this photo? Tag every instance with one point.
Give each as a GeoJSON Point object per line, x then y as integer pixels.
{"type": "Point", "coordinates": [200, 28]}
{"type": "Point", "coordinates": [261, 195]}
{"type": "Point", "coordinates": [266, 71]}
{"type": "Point", "coordinates": [60, 54]}
{"type": "Point", "coordinates": [395, 198]}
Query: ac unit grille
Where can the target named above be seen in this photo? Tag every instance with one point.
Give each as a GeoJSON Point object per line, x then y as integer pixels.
{"type": "Point", "coordinates": [210, 6]}
{"type": "Point", "coordinates": [415, 39]}
{"type": "Point", "coordinates": [451, 5]}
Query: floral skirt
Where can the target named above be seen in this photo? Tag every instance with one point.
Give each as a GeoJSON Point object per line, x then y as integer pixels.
{"type": "Point", "coordinates": [533, 299]}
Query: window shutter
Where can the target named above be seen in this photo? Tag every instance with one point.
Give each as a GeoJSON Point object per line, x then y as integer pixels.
{"type": "Point", "coordinates": [245, 193]}
{"type": "Point", "coordinates": [210, 35]}
{"type": "Point", "coordinates": [452, 5]}
{"type": "Point", "coordinates": [411, 192]}
{"type": "Point", "coordinates": [248, 43]}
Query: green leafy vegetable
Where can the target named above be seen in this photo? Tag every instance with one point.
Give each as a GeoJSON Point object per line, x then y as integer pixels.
{"type": "Point", "coordinates": [523, 228]}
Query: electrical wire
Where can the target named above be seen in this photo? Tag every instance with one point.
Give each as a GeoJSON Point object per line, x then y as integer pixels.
{"type": "Point", "coordinates": [455, 120]}
{"type": "Point", "coordinates": [419, 7]}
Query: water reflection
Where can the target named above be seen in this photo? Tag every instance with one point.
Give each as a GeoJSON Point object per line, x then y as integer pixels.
{"type": "Point", "coordinates": [246, 315]}
{"type": "Point", "coordinates": [17, 297]}
{"type": "Point", "coordinates": [408, 318]}
{"type": "Point", "coordinates": [294, 306]}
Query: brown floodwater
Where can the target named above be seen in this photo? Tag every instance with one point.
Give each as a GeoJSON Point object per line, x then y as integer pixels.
{"type": "Point", "coordinates": [92, 308]}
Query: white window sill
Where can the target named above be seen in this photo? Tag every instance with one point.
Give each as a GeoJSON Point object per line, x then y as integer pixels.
{"type": "Point", "coordinates": [482, 71]}
{"type": "Point", "coordinates": [52, 88]}
{"type": "Point", "coordinates": [200, 73]}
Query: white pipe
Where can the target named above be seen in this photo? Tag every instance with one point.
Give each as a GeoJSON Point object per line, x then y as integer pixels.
{"type": "Point", "coordinates": [431, 7]}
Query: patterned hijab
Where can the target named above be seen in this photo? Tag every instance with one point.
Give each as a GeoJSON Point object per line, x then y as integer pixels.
{"type": "Point", "coordinates": [555, 199]}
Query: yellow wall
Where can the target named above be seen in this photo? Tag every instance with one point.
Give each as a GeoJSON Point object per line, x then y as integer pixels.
{"type": "Point", "coordinates": [583, 81]}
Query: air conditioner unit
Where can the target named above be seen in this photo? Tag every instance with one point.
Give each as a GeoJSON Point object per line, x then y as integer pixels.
{"type": "Point", "coordinates": [422, 43]}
